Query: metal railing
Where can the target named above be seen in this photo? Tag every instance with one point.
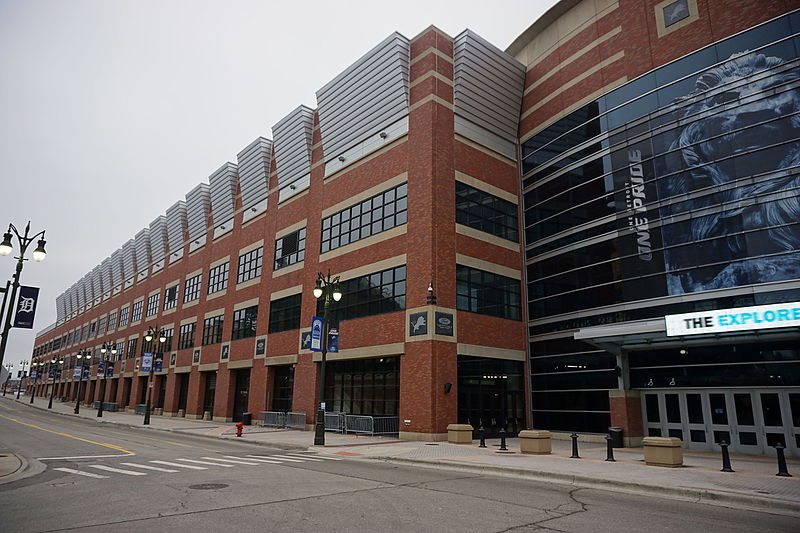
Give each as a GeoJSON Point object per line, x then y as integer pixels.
{"type": "Point", "coordinates": [107, 406]}
{"type": "Point", "coordinates": [361, 424]}
{"type": "Point", "coordinates": [282, 419]}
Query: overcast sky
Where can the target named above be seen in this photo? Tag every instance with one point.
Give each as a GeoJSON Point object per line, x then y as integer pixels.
{"type": "Point", "coordinates": [111, 111]}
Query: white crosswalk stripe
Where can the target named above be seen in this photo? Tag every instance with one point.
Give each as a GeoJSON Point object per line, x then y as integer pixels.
{"type": "Point", "coordinates": [276, 458]}
{"type": "Point", "coordinates": [118, 470]}
{"type": "Point", "coordinates": [231, 460]}
{"type": "Point", "coordinates": [305, 458]}
{"type": "Point", "coordinates": [148, 467]}
{"type": "Point", "coordinates": [205, 463]}
{"type": "Point", "coordinates": [167, 463]}
{"type": "Point", "coordinates": [325, 457]}
{"type": "Point", "coordinates": [80, 473]}
{"type": "Point", "coordinates": [251, 458]}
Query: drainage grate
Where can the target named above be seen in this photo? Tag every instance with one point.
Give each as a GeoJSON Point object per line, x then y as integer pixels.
{"type": "Point", "coordinates": [208, 486]}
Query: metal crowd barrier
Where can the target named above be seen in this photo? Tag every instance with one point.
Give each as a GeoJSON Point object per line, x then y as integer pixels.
{"type": "Point", "coordinates": [109, 406]}
{"type": "Point", "coordinates": [295, 420]}
{"type": "Point", "coordinates": [334, 421]}
{"type": "Point", "coordinates": [361, 424]}
{"type": "Point", "coordinates": [283, 419]}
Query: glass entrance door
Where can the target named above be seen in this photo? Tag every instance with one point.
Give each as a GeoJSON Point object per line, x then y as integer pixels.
{"type": "Point", "coordinates": [750, 421]}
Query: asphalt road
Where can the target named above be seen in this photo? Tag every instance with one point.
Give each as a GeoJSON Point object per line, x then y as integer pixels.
{"type": "Point", "coordinates": [106, 478]}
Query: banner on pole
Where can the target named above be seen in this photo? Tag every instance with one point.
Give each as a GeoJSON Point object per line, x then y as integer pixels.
{"type": "Point", "coordinates": [317, 325]}
{"type": "Point", "coordinates": [26, 307]}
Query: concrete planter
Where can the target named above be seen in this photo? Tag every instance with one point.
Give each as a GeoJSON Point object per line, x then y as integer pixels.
{"type": "Point", "coordinates": [459, 434]}
{"type": "Point", "coordinates": [535, 441]}
{"type": "Point", "coordinates": [663, 451]}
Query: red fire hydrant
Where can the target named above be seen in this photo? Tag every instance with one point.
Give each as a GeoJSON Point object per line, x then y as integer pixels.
{"type": "Point", "coordinates": [239, 428]}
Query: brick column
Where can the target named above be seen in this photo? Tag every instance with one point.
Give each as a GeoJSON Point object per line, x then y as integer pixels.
{"type": "Point", "coordinates": [260, 388]}
{"type": "Point", "coordinates": [194, 406]}
{"type": "Point", "coordinates": [223, 397]}
{"type": "Point", "coordinates": [626, 412]}
{"type": "Point", "coordinates": [171, 393]}
{"type": "Point", "coordinates": [305, 396]}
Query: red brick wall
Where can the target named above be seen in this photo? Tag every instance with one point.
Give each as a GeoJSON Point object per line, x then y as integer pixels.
{"type": "Point", "coordinates": [431, 155]}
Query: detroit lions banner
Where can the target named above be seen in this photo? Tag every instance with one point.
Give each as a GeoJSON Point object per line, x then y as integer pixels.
{"type": "Point", "coordinates": [26, 307]}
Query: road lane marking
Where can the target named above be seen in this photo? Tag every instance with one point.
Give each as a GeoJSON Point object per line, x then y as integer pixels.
{"type": "Point", "coordinates": [179, 464]}
{"type": "Point", "coordinates": [118, 470]}
{"type": "Point", "coordinates": [148, 467]}
{"type": "Point", "coordinates": [83, 457]}
{"type": "Point", "coordinates": [238, 462]}
{"type": "Point", "coordinates": [317, 457]}
{"type": "Point", "coordinates": [103, 444]}
{"type": "Point", "coordinates": [251, 458]}
{"type": "Point", "coordinates": [204, 463]}
{"type": "Point", "coordinates": [80, 473]}
{"type": "Point", "coordinates": [296, 457]}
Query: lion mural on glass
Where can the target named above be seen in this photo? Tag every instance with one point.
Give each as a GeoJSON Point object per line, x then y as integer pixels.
{"type": "Point", "coordinates": [733, 177]}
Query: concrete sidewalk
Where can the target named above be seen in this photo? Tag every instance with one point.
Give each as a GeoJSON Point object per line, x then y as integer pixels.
{"type": "Point", "coordinates": [753, 484]}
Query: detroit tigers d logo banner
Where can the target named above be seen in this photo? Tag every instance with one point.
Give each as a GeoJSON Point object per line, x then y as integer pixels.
{"type": "Point", "coordinates": [26, 307]}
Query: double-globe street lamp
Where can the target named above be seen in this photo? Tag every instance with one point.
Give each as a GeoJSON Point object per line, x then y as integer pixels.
{"type": "Point", "coordinates": [85, 355]}
{"type": "Point", "coordinates": [54, 371]}
{"type": "Point", "coordinates": [328, 289]}
{"type": "Point", "coordinates": [21, 375]}
{"type": "Point", "coordinates": [5, 249]}
{"type": "Point", "coordinates": [108, 348]}
{"type": "Point", "coordinates": [152, 333]}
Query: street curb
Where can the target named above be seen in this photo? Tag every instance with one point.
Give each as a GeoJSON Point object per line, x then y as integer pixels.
{"type": "Point", "coordinates": [281, 446]}
{"type": "Point", "coordinates": [705, 496]}
{"type": "Point", "coordinates": [26, 469]}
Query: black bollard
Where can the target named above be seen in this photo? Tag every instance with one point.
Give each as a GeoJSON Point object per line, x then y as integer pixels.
{"type": "Point", "coordinates": [609, 449]}
{"type": "Point", "coordinates": [782, 470]}
{"type": "Point", "coordinates": [503, 447]}
{"type": "Point", "coordinates": [574, 438]}
{"type": "Point", "coordinates": [726, 459]}
{"type": "Point", "coordinates": [482, 436]}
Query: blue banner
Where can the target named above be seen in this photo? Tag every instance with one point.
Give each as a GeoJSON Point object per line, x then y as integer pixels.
{"type": "Point", "coordinates": [333, 337]}
{"type": "Point", "coordinates": [147, 362]}
{"type": "Point", "coordinates": [110, 373]}
{"type": "Point", "coordinates": [76, 373]}
{"type": "Point", "coordinates": [317, 325]}
{"type": "Point", "coordinates": [26, 307]}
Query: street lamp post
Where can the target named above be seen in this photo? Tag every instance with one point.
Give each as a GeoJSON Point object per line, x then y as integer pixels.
{"type": "Point", "coordinates": [53, 389]}
{"type": "Point", "coordinates": [38, 255]}
{"type": "Point", "coordinates": [149, 336]}
{"type": "Point", "coordinates": [86, 354]}
{"type": "Point", "coordinates": [22, 374]}
{"type": "Point", "coordinates": [37, 366]}
{"type": "Point", "coordinates": [328, 288]}
{"type": "Point", "coordinates": [9, 367]}
{"type": "Point", "coordinates": [107, 348]}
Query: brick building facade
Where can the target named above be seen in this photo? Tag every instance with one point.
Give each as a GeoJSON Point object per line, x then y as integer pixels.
{"type": "Point", "coordinates": [564, 199]}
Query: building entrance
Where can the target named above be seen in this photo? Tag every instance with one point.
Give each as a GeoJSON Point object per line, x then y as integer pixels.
{"type": "Point", "coordinates": [490, 394]}
{"type": "Point", "coordinates": [750, 420]}
{"type": "Point", "coordinates": [241, 394]}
